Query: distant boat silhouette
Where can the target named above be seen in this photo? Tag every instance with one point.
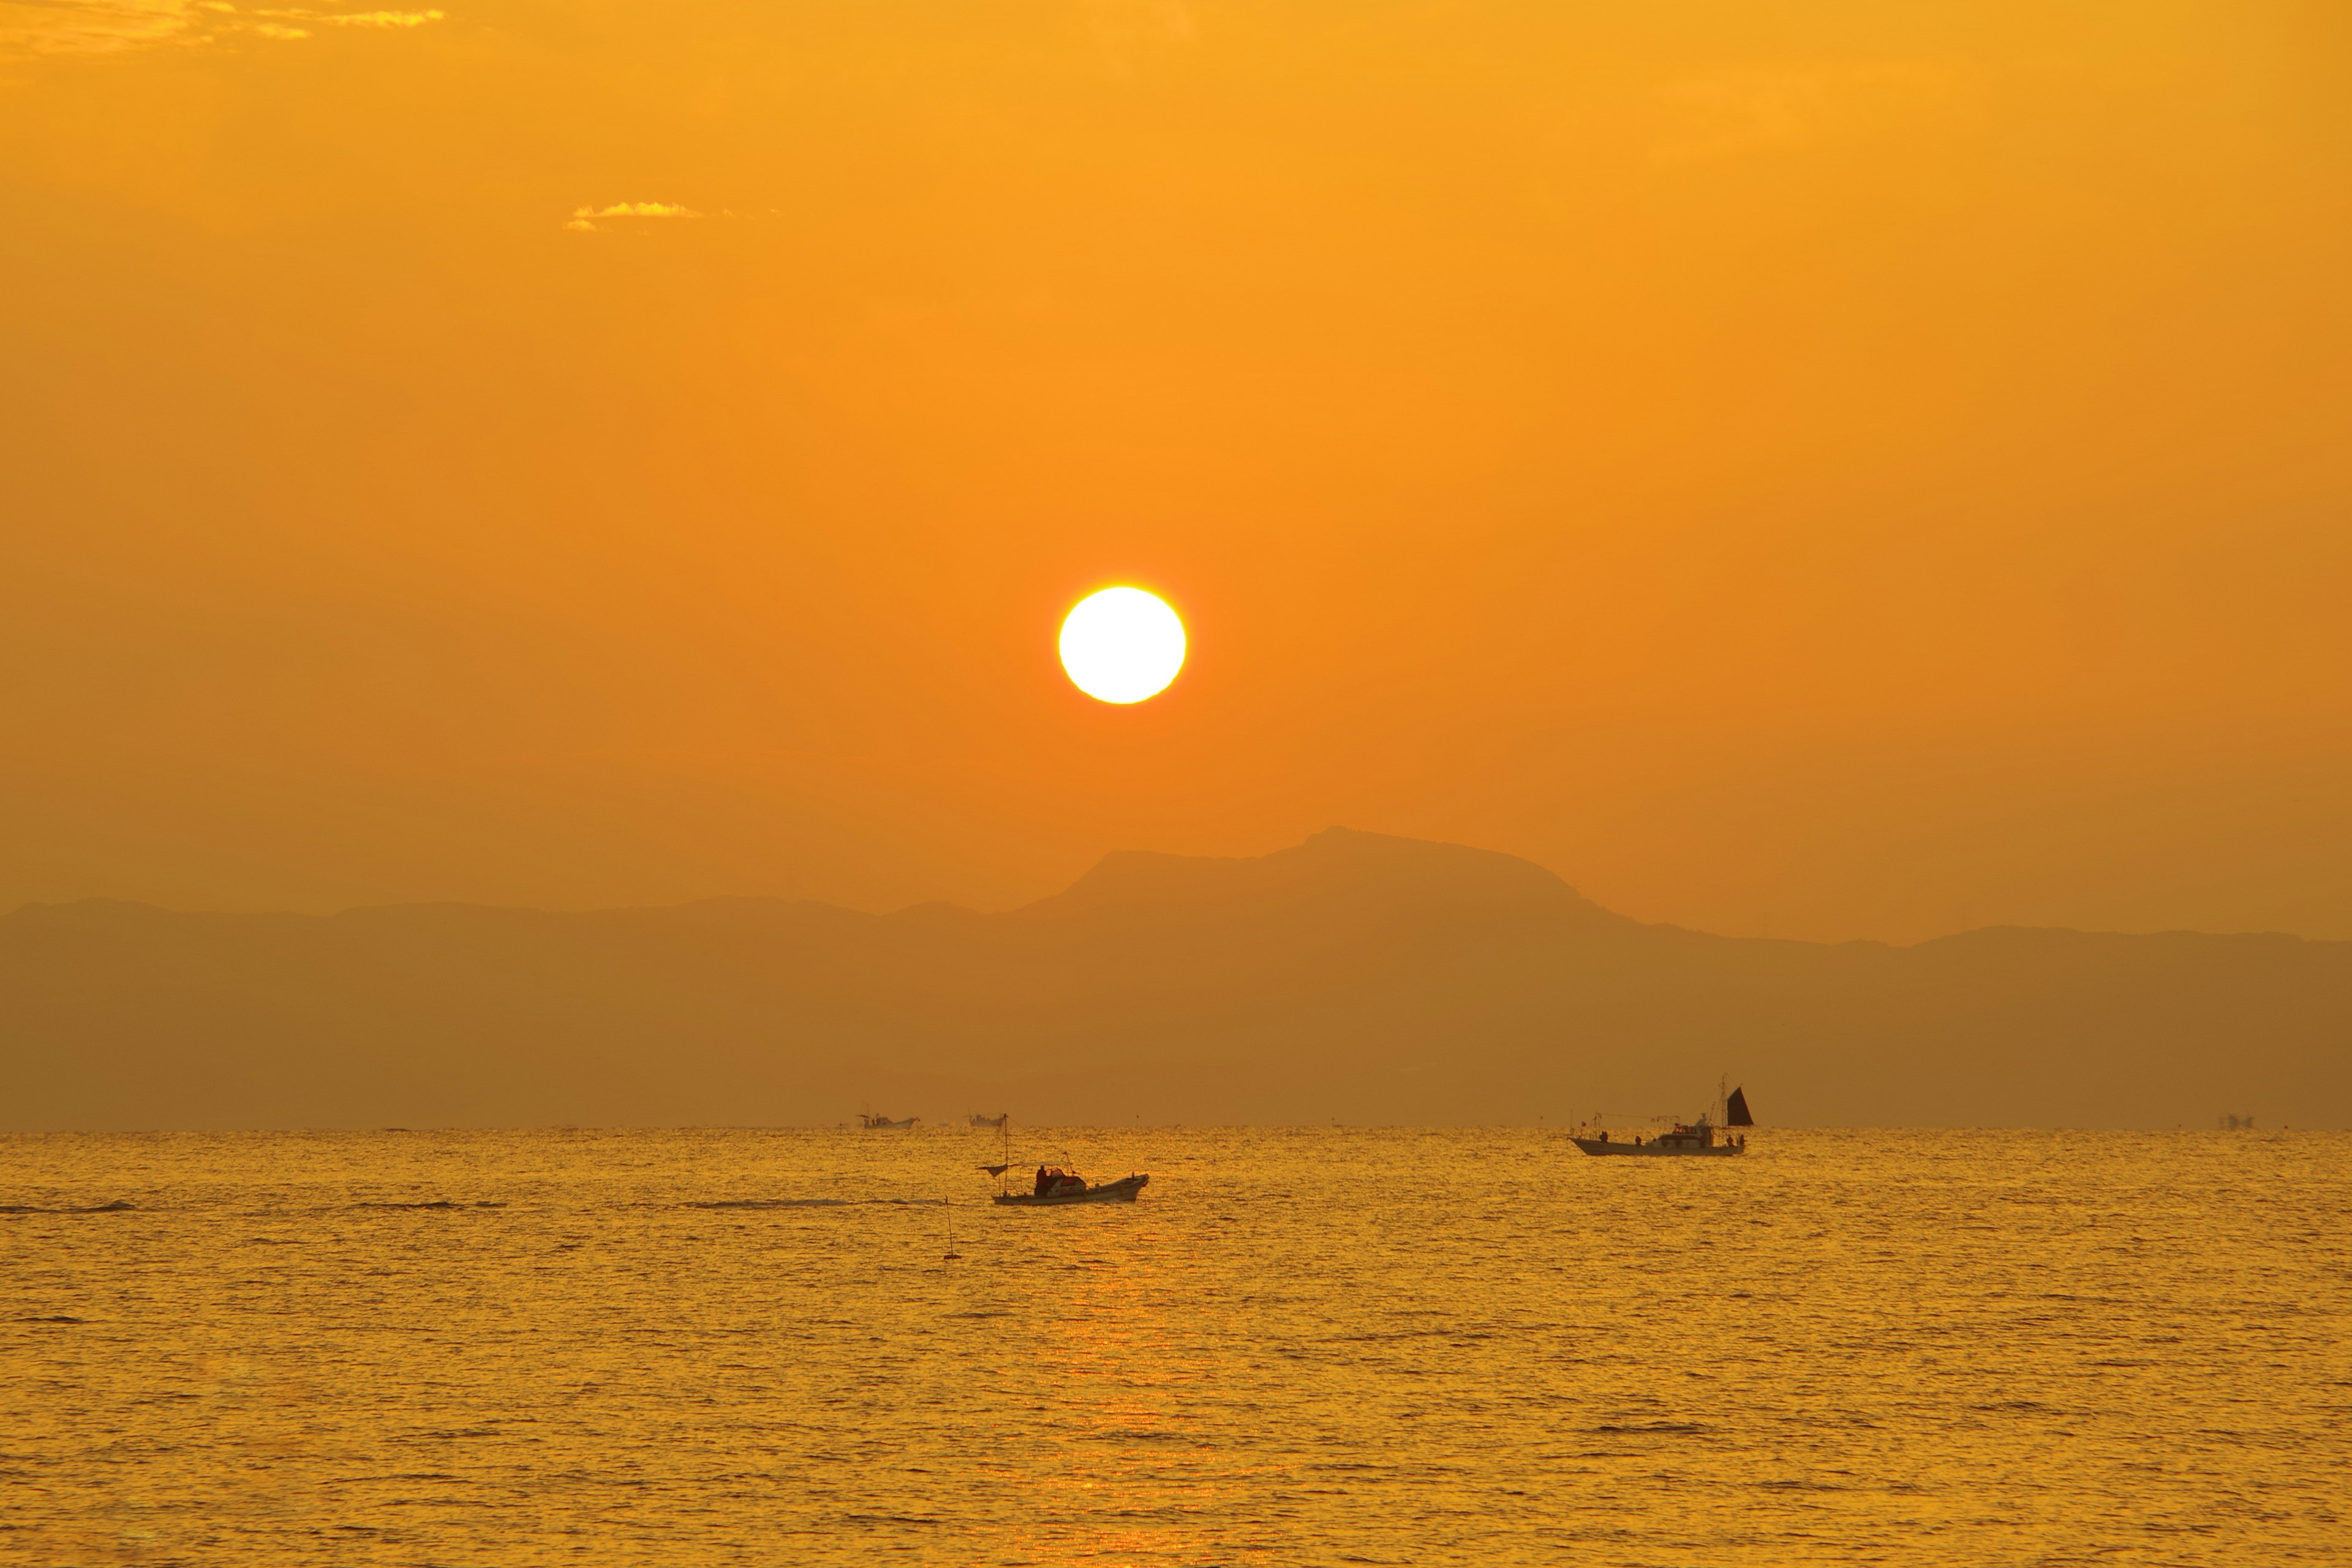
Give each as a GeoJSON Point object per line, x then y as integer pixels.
{"type": "Point", "coordinates": [999, 1120]}
{"type": "Point", "coordinates": [1688, 1138]}
{"type": "Point", "coordinates": [883, 1124]}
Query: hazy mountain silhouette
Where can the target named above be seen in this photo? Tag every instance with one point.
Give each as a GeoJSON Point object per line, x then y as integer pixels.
{"type": "Point", "coordinates": [1356, 976]}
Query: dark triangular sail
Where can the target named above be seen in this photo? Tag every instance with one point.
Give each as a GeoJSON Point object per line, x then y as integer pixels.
{"type": "Point", "coordinates": [1734, 1110]}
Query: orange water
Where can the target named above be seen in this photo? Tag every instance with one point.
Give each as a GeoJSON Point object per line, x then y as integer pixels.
{"type": "Point", "coordinates": [1303, 1347]}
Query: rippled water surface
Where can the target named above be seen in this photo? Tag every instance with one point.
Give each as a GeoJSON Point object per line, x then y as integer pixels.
{"type": "Point", "coordinates": [1326, 1346]}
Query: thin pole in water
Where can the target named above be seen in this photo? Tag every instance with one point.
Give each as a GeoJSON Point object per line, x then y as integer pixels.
{"type": "Point", "coordinates": [952, 1254]}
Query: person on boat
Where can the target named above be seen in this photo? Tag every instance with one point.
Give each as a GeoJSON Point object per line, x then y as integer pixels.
{"type": "Point", "coordinates": [1604, 1136]}
{"type": "Point", "coordinates": [1044, 1181]}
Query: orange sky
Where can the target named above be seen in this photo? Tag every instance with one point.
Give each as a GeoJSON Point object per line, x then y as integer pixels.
{"type": "Point", "coordinates": [1837, 468]}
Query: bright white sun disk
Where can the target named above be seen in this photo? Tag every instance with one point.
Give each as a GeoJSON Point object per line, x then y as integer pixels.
{"type": "Point", "coordinates": [1122, 645]}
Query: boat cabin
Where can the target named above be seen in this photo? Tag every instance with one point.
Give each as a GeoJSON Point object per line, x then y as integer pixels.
{"type": "Point", "coordinates": [1053, 1180]}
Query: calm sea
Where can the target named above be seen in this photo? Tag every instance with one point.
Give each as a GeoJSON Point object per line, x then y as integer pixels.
{"type": "Point", "coordinates": [1301, 1347]}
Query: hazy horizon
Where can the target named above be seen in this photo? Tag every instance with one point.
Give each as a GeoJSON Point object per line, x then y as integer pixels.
{"type": "Point", "coordinates": [1354, 977]}
{"type": "Point", "coordinates": [1012, 908]}
{"type": "Point", "coordinates": [918, 905]}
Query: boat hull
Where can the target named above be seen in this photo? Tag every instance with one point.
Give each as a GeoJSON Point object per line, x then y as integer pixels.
{"type": "Point", "coordinates": [1660, 1151]}
{"type": "Point", "coordinates": [1122, 1191]}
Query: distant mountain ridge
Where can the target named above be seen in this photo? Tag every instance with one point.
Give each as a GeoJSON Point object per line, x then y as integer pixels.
{"type": "Point", "coordinates": [1355, 976]}
{"type": "Point", "coordinates": [1374, 871]}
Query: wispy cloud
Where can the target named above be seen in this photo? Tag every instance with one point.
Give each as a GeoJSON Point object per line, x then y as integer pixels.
{"type": "Point", "coordinates": [105, 27]}
{"type": "Point", "coordinates": [384, 19]}
{"type": "Point", "coordinates": [94, 26]}
{"type": "Point", "coordinates": [584, 219]}
{"type": "Point", "coordinates": [353, 18]}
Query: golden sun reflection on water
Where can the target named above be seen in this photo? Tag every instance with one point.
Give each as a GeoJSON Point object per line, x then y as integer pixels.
{"type": "Point", "coordinates": [1300, 1347]}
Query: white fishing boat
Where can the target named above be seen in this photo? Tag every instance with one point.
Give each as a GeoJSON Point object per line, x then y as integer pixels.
{"type": "Point", "coordinates": [1055, 1185]}
{"type": "Point", "coordinates": [1698, 1137]}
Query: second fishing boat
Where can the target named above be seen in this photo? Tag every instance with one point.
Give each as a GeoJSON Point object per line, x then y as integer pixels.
{"type": "Point", "coordinates": [1688, 1138]}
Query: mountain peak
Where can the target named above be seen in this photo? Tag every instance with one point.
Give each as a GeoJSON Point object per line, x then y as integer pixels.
{"type": "Point", "coordinates": [1377, 872]}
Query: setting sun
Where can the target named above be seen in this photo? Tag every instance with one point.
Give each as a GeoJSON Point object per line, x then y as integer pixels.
{"type": "Point", "coordinates": [1122, 645]}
